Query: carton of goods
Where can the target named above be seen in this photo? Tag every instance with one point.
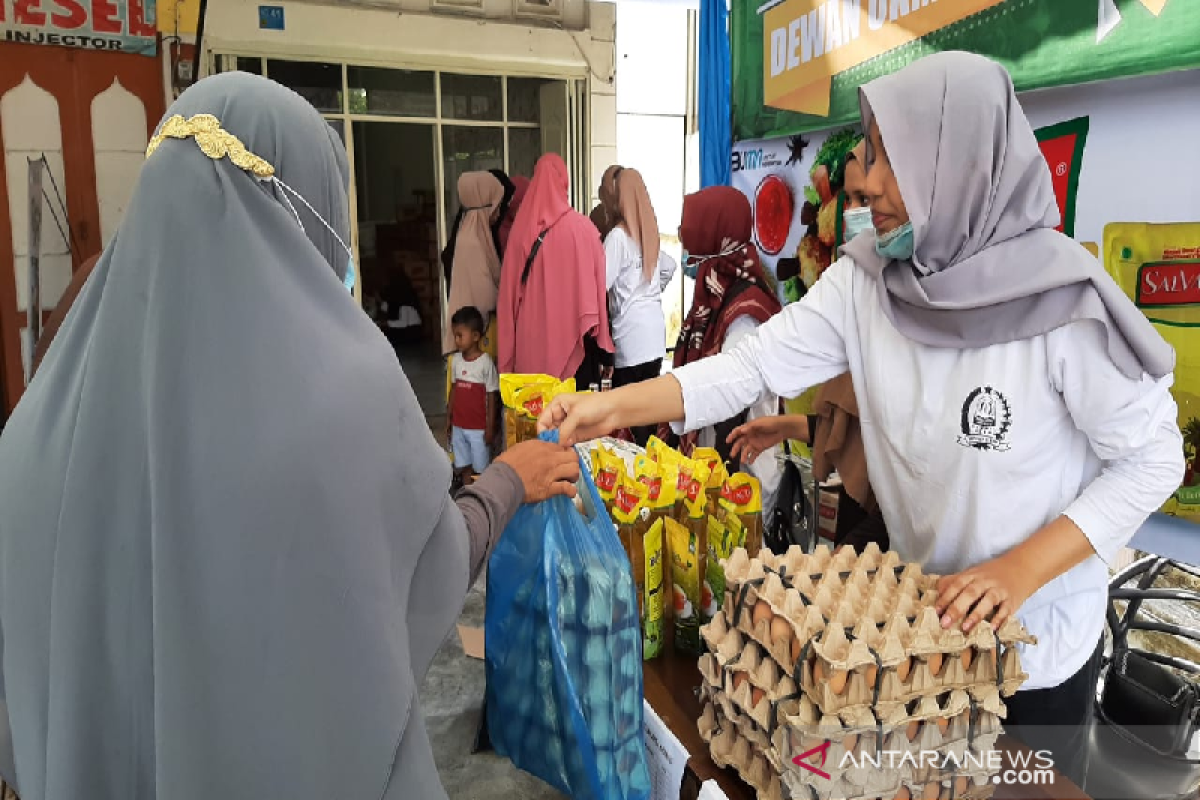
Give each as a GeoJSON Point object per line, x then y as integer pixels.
{"type": "Point", "coordinates": [1158, 266]}
{"type": "Point", "coordinates": [643, 543]}
{"type": "Point", "coordinates": [687, 570]}
{"type": "Point", "coordinates": [860, 631]}
{"type": "Point", "coordinates": [741, 498]}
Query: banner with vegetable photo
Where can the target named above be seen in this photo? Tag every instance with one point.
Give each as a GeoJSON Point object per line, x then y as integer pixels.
{"type": "Point", "coordinates": [797, 64]}
{"type": "Point", "coordinates": [1062, 145]}
{"type": "Point", "coordinates": [1158, 266]}
{"type": "Point", "coordinates": [794, 187]}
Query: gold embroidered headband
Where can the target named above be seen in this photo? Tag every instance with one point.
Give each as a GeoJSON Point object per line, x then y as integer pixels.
{"type": "Point", "coordinates": [214, 141]}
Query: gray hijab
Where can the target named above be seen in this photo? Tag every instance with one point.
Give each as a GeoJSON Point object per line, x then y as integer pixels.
{"type": "Point", "coordinates": [219, 574]}
{"type": "Point", "coordinates": [990, 268]}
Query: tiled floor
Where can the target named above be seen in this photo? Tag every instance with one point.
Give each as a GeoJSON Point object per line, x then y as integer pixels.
{"type": "Point", "coordinates": [452, 695]}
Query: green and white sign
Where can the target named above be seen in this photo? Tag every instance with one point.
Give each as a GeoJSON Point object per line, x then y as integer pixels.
{"type": "Point", "coordinates": [797, 64]}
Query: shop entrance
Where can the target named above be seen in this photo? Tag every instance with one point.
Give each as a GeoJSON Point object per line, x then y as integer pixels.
{"type": "Point", "coordinates": [410, 134]}
{"type": "Point", "coordinates": [396, 200]}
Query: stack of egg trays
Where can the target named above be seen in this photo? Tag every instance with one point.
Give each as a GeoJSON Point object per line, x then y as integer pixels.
{"type": "Point", "coordinates": [765, 725]}
{"type": "Point", "coordinates": [601, 640]}
{"type": "Point", "coordinates": [861, 630]}
{"type": "Point", "coordinates": [730, 749]}
{"type": "Point", "coordinates": [961, 728]}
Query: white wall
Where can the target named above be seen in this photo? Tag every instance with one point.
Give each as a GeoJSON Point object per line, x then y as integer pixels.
{"type": "Point", "coordinates": [654, 51]}
{"type": "Point", "coordinates": [1140, 163]}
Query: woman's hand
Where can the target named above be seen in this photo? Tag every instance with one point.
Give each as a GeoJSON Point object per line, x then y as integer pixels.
{"type": "Point", "coordinates": [992, 591]}
{"type": "Point", "coordinates": [758, 436]}
{"type": "Point", "coordinates": [580, 417]}
{"type": "Point", "coordinates": [545, 469]}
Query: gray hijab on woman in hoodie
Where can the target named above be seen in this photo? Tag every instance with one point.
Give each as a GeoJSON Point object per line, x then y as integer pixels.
{"type": "Point", "coordinates": [988, 265]}
{"type": "Point", "coordinates": [227, 551]}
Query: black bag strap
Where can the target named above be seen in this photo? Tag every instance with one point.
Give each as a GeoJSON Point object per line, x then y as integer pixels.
{"type": "Point", "coordinates": [533, 251]}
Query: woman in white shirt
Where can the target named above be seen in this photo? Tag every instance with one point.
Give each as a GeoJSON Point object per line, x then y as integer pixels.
{"type": "Point", "coordinates": [638, 271]}
{"type": "Point", "coordinates": [1015, 404]}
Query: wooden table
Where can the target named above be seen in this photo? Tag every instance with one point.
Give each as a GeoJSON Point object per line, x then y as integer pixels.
{"type": "Point", "coordinates": [671, 681]}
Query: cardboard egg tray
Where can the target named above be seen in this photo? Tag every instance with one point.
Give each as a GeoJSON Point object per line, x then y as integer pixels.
{"type": "Point", "coordinates": [730, 749]}
{"type": "Point", "coordinates": [858, 630]}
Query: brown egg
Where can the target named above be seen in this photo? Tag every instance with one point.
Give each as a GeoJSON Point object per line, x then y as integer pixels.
{"type": "Point", "coordinates": [849, 743]}
{"type": "Point", "coordinates": [756, 697]}
{"type": "Point", "coordinates": [903, 794]}
{"type": "Point", "coordinates": [872, 675]}
{"type": "Point", "coordinates": [935, 663]}
{"type": "Point", "coordinates": [762, 613]}
{"type": "Point", "coordinates": [837, 681]}
{"type": "Point", "coordinates": [943, 724]}
{"type": "Point", "coordinates": [967, 657]}
{"type": "Point", "coordinates": [781, 634]}
{"type": "Point", "coordinates": [903, 669]}
{"type": "Point", "coordinates": [914, 730]}
{"type": "Point", "coordinates": [932, 791]}
{"type": "Point", "coordinates": [796, 648]}
{"type": "Point", "coordinates": [963, 784]}
{"type": "Point", "coordinates": [738, 679]}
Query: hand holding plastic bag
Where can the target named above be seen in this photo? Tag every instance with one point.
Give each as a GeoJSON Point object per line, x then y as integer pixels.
{"type": "Point", "coordinates": [564, 660]}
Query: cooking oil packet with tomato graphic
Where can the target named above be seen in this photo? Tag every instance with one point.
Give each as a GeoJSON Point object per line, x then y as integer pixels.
{"type": "Point", "coordinates": [512, 389]}
{"type": "Point", "coordinates": [687, 569]}
{"type": "Point", "coordinates": [609, 469]}
{"type": "Point", "coordinates": [1158, 266]}
{"type": "Point", "coordinates": [717, 473]}
{"type": "Point", "coordinates": [722, 541]}
{"type": "Point", "coordinates": [658, 450]}
{"type": "Point", "coordinates": [741, 498]}
{"type": "Point", "coordinates": [643, 543]}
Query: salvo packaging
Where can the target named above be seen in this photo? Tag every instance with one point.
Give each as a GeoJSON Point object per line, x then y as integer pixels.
{"type": "Point", "coordinates": [643, 543]}
{"type": "Point", "coordinates": [1158, 266]}
{"type": "Point", "coordinates": [524, 397]}
{"type": "Point", "coordinates": [822, 655]}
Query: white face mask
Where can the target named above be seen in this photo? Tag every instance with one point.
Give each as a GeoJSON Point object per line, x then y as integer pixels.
{"type": "Point", "coordinates": [351, 275]}
{"type": "Point", "coordinates": [855, 221]}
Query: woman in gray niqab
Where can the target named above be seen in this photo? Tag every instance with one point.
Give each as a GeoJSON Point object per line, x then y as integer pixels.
{"type": "Point", "coordinates": [228, 552]}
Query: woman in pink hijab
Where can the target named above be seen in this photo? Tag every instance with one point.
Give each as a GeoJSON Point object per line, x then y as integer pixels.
{"type": "Point", "coordinates": [520, 188]}
{"type": "Point", "coordinates": [553, 312]}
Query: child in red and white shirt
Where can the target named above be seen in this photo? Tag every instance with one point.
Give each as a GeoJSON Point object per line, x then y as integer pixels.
{"type": "Point", "coordinates": [471, 417]}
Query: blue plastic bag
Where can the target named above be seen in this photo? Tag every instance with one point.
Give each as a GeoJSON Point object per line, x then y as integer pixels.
{"type": "Point", "coordinates": [564, 651]}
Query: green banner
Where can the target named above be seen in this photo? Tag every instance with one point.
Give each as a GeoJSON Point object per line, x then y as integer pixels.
{"type": "Point", "coordinates": [797, 64]}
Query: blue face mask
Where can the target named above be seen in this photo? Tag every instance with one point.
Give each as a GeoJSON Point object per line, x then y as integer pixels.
{"type": "Point", "coordinates": [351, 276]}
{"type": "Point", "coordinates": [690, 268]}
{"type": "Point", "coordinates": [896, 245]}
{"type": "Point", "coordinates": [855, 221]}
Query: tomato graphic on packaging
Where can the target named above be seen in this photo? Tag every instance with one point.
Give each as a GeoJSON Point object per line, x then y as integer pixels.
{"type": "Point", "coordinates": [773, 208]}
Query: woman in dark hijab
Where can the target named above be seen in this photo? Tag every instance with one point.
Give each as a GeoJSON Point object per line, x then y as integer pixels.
{"type": "Point", "coordinates": [228, 552]}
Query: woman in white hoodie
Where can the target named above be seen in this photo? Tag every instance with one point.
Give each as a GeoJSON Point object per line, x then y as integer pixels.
{"type": "Point", "coordinates": [1015, 405]}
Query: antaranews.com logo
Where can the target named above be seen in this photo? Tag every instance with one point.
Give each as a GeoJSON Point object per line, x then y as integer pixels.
{"type": "Point", "coordinates": [1009, 768]}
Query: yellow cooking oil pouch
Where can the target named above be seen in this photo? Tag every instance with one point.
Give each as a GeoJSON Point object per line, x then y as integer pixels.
{"type": "Point", "coordinates": [609, 468]}
{"type": "Point", "coordinates": [1158, 266]}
